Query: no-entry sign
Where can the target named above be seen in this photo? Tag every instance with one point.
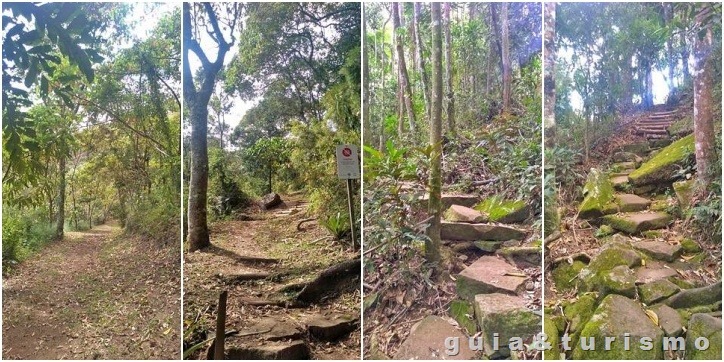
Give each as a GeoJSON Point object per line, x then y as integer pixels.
{"type": "Point", "coordinates": [347, 162]}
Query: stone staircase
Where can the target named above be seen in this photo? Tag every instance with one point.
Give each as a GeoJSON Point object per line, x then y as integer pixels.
{"type": "Point", "coordinates": [633, 284]}
{"type": "Point", "coordinates": [656, 124]}
{"type": "Point", "coordinates": [493, 290]}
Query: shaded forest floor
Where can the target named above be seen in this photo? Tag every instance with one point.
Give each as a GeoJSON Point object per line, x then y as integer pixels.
{"type": "Point", "coordinates": [98, 294]}
{"type": "Point", "coordinates": [254, 259]}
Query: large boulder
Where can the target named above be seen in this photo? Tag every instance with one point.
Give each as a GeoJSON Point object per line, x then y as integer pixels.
{"type": "Point", "coordinates": [504, 211]}
{"type": "Point", "coordinates": [269, 201]}
{"type": "Point", "coordinates": [662, 167]}
{"type": "Point", "coordinates": [427, 341]}
{"type": "Point", "coordinates": [474, 232]}
{"type": "Point", "coordinates": [618, 316]}
{"type": "Point", "coordinates": [507, 316]}
{"type": "Point", "coordinates": [598, 196]}
{"type": "Point", "coordinates": [710, 329]}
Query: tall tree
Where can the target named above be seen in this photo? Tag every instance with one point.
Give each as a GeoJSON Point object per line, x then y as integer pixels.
{"type": "Point", "coordinates": [549, 72]}
{"type": "Point", "coordinates": [367, 126]}
{"type": "Point", "coordinates": [405, 90]}
{"type": "Point", "coordinates": [703, 93]}
{"type": "Point", "coordinates": [419, 58]}
{"type": "Point", "coordinates": [505, 55]}
{"type": "Point", "coordinates": [197, 91]}
{"type": "Point", "coordinates": [450, 94]}
{"type": "Point", "coordinates": [432, 245]}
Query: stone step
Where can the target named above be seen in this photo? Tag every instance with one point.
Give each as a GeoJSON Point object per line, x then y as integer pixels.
{"type": "Point", "coordinates": [490, 274]}
{"type": "Point", "coordinates": [657, 136]}
{"type": "Point", "coordinates": [619, 181]}
{"type": "Point", "coordinates": [475, 232]}
{"type": "Point", "coordinates": [653, 123]}
{"type": "Point", "coordinates": [659, 250]}
{"type": "Point", "coordinates": [651, 131]}
{"type": "Point", "coordinates": [636, 222]}
{"type": "Point", "coordinates": [458, 213]}
{"type": "Point", "coordinates": [448, 200]}
{"type": "Point", "coordinates": [427, 341]}
{"type": "Point", "coordinates": [631, 202]}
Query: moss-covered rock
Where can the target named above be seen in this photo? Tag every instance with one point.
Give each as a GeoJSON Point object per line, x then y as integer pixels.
{"type": "Point", "coordinates": [636, 222]}
{"type": "Point", "coordinates": [522, 256]}
{"type": "Point", "coordinates": [592, 276]}
{"type": "Point", "coordinates": [683, 284]}
{"type": "Point", "coordinates": [690, 246]}
{"type": "Point", "coordinates": [620, 280]}
{"type": "Point", "coordinates": [708, 327]}
{"type": "Point", "coordinates": [578, 313]}
{"type": "Point", "coordinates": [506, 315]}
{"type": "Point", "coordinates": [488, 246]}
{"type": "Point", "coordinates": [598, 196]}
{"type": "Point", "coordinates": [660, 205]}
{"type": "Point", "coordinates": [681, 126]}
{"type": "Point", "coordinates": [684, 192]}
{"type": "Point", "coordinates": [499, 209]}
{"type": "Point", "coordinates": [662, 167]}
{"type": "Point", "coordinates": [604, 231]}
{"type": "Point", "coordinates": [657, 291]}
{"type": "Point", "coordinates": [615, 317]}
{"type": "Point", "coordinates": [697, 296]}
{"type": "Point", "coordinates": [652, 234]}
{"type": "Point", "coordinates": [659, 143]}
{"type": "Point", "coordinates": [565, 275]}
{"type": "Point", "coordinates": [639, 148]}
{"type": "Point", "coordinates": [464, 313]}
{"type": "Point", "coordinates": [551, 331]}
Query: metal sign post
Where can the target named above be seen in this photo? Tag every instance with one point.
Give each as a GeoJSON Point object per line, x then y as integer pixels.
{"type": "Point", "coordinates": [348, 169]}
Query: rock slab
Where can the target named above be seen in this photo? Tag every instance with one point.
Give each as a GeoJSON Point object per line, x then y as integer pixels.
{"type": "Point", "coordinates": [659, 250]}
{"type": "Point", "coordinates": [427, 341]}
{"type": "Point", "coordinates": [489, 274]}
{"type": "Point", "coordinates": [458, 213]}
{"type": "Point", "coordinates": [474, 232]}
{"type": "Point", "coordinates": [637, 222]}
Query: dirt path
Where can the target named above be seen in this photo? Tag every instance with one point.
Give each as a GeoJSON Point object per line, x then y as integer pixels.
{"type": "Point", "coordinates": [95, 295]}
{"type": "Point", "coordinates": [297, 256]}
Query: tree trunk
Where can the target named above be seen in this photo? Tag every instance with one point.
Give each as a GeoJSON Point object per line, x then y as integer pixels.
{"type": "Point", "coordinates": [198, 101]}
{"type": "Point", "coordinates": [505, 56]}
{"type": "Point", "coordinates": [198, 232]}
{"type": "Point", "coordinates": [405, 88]}
{"type": "Point", "coordinates": [367, 127]}
{"type": "Point", "coordinates": [432, 246]}
{"type": "Point", "coordinates": [670, 56]}
{"type": "Point", "coordinates": [704, 100]}
{"type": "Point", "coordinates": [449, 72]}
{"type": "Point", "coordinates": [60, 217]}
{"type": "Point", "coordinates": [420, 60]}
{"type": "Point", "coordinates": [549, 71]}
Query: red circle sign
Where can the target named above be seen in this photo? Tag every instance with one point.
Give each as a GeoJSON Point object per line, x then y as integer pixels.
{"type": "Point", "coordinates": [346, 152]}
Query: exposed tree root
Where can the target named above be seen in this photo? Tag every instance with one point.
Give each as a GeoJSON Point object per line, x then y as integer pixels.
{"type": "Point", "coordinates": [330, 280]}
{"type": "Point", "coordinates": [254, 259]}
{"type": "Point", "coordinates": [238, 278]}
{"type": "Point", "coordinates": [299, 225]}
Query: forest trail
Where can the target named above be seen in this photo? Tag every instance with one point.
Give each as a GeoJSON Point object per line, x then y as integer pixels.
{"type": "Point", "coordinates": [97, 294]}
{"type": "Point", "coordinates": [263, 259]}
{"type": "Point", "coordinates": [493, 284]}
{"type": "Point", "coordinates": [625, 251]}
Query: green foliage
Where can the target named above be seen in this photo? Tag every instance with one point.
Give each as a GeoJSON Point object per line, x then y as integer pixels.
{"type": "Point", "coordinates": [22, 234]}
{"type": "Point", "coordinates": [265, 157]}
{"type": "Point", "coordinates": [390, 225]}
{"type": "Point", "coordinates": [337, 225]}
